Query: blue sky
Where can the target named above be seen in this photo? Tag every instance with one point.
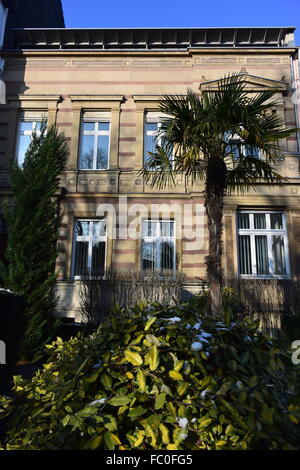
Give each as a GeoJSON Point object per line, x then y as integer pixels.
{"type": "Point", "coordinates": [176, 13]}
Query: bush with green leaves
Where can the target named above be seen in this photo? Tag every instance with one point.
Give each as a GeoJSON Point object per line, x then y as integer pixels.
{"type": "Point", "coordinates": [159, 378]}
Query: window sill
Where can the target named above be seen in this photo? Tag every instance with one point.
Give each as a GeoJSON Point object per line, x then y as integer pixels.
{"type": "Point", "coordinates": [253, 277]}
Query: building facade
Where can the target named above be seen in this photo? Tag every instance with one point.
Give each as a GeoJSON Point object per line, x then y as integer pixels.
{"type": "Point", "coordinates": [102, 88]}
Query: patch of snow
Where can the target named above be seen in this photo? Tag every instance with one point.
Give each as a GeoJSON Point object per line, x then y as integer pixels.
{"type": "Point", "coordinates": [196, 346]}
{"type": "Point", "coordinates": [201, 339]}
{"type": "Point", "coordinates": [205, 335]}
{"type": "Point", "coordinates": [182, 422]}
{"type": "Point", "coordinates": [101, 401]}
{"type": "Point", "coordinates": [197, 326]}
{"type": "Point", "coordinates": [174, 319]}
{"type": "Point", "coordinates": [193, 420]}
{"type": "Point", "coordinates": [203, 394]}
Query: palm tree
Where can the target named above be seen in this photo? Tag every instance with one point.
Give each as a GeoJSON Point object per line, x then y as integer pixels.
{"type": "Point", "coordinates": [216, 137]}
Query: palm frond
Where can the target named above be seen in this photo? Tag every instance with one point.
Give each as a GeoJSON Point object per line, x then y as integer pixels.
{"type": "Point", "coordinates": [158, 170]}
{"type": "Point", "coordinates": [248, 172]}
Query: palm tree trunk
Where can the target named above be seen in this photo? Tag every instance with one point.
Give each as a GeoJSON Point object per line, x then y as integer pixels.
{"type": "Point", "coordinates": [214, 199]}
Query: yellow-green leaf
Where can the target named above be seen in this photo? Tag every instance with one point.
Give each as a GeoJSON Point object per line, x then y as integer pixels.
{"type": "Point", "coordinates": [133, 357]}
{"type": "Point", "coordinates": [178, 366]}
{"type": "Point", "coordinates": [171, 408]}
{"type": "Point", "coordinates": [119, 401]}
{"type": "Point", "coordinates": [175, 375]}
{"type": "Point", "coordinates": [293, 419]}
{"type": "Point", "coordinates": [252, 381]}
{"type": "Point", "coordinates": [149, 323]}
{"type": "Point", "coordinates": [138, 339]}
{"type": "Point", "coordinates": [149, 433]}
{"type": "Point", "coordinates": [205, 422]}
{"type": "Point", "coordinates": [172, 447]}
{"type": "Point", "coordinates": [106, 381]}
{"type": "Point", "coordinates": [111, 440]}
{"type": "Point", "coordinates": [160, 401]}
{"type": "Point", "coordinates": [95, 442]}
{"type": "Point", "coordinates": [153, 358]}
{"type": "Point", "coordinates": [220, 443]}
{"type": "Point", "coordinates": [135, 412]}
{"type": "Point", "coordinates": [141, 380]}
{"type": "Point", "coordinates": [181, 389]}
{"type": "Point", "coordinates": [164, 433]}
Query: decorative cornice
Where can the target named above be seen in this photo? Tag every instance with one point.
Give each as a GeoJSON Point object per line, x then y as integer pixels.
{"type": "Point", "coordinates": [34, 98]}
{"type": "Point", "coordinates": [253, 83]}
{"type": "Point", "coordinates": [76, 98]}
{"type": "Point", "coordinates": [152, 38]}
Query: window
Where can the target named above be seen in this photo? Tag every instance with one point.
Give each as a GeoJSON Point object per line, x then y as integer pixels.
{"type": "Point", "coordinates": [26, 128]}
{"type": "Point", "coordinates": [94, 142]}
{"type": "Point", "coordinates": [152, 135]}
{"type": "Point", "coordinates": [158, 245]}
{"type": "Point", "coordinates": [90, 248]}
{"type": "Point", "coordinates": [236, 147]}
{"type": "Point", "coordinates": [262, 244]}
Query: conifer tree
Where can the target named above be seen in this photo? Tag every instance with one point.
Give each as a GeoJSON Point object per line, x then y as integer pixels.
{"type": "Point", "coordinates": [33, 221]}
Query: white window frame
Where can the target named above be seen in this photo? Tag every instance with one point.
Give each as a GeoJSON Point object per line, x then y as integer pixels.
{"type": "Point", "coordinates": [96, 133]}
{"type": "Point", "coordinates": [156, 134]}
{"type": "Point", "coordinates": [29, 132]}
{"type": "Point", "coordinates": [159, 239]}
{"type": "Point", "coordinates": [88, 238]}
{"type": "Point", "coordinates": [269, 232]}
{"type": "Point", "coordinates": [236, 137]}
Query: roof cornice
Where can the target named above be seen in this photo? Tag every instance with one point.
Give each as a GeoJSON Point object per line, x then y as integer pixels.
{"type": "Point", "coordinates": [138, 39]}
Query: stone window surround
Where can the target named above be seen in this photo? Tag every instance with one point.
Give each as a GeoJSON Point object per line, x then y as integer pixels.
{"type": "Point", "coordinates": [47, 104]}
{"type": "Point", "coordinates": [143, 103]}
{"type": "Point", "coordinates": [81, 103]}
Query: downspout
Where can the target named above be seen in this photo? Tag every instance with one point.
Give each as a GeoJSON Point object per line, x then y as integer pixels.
{"type": "Point", "coordinates": [296, 93]}
{"type": "Point", "coordinates": [2, 83]}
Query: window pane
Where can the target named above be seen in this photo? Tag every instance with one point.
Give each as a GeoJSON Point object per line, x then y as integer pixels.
{"type": "Point", "coordinates": [278, 255]}
{"type": "Point", "coordinates": [103, 126]}
{"type": "Point", "coordinates": [38, 126]}
{"type": "Point", "coordinates": [245, 263]}
{"type": "Point", "coordinates": [259, 221]}
{"type": "Point", "coordinates": [24, 141]}
{"type": "Point", "coordinates": [167, 229]}
{"type": "Point", "coordinates": [25, 126]}
{"type": "Point", "coordinates": [167, 255]}
{"type": "Point", "coordinates": [102, 152]}
{"type": "Point", "coordinates": [87, 152]}
{"type": "Point", "coordinates": [276, 221]}
{"type": "Point", "coordinates": [82, 228]}
{"type": "Point", "coordinates": [81, 259]}
{"type": "Point", "coordinates": [151, 126]}
{"type": "Point", "coordinates": [243, 221]}
{"type": "Point", "coordinates": [99, 229]}
{"type": "Point", "coordinates": [98, 258]}
{"type": "Point", "coordinates": [251, 151]}
{"type": "Point", "coordinates": [261, 249]}
{"type": "Point", "coordinates": [149, 255]}
{"type": "Point", "coordinates": [88, 126]}
{"type": "Point", "coordinates": [149, 228]}
{"type": "Point", "coordinates": [150, 143]}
